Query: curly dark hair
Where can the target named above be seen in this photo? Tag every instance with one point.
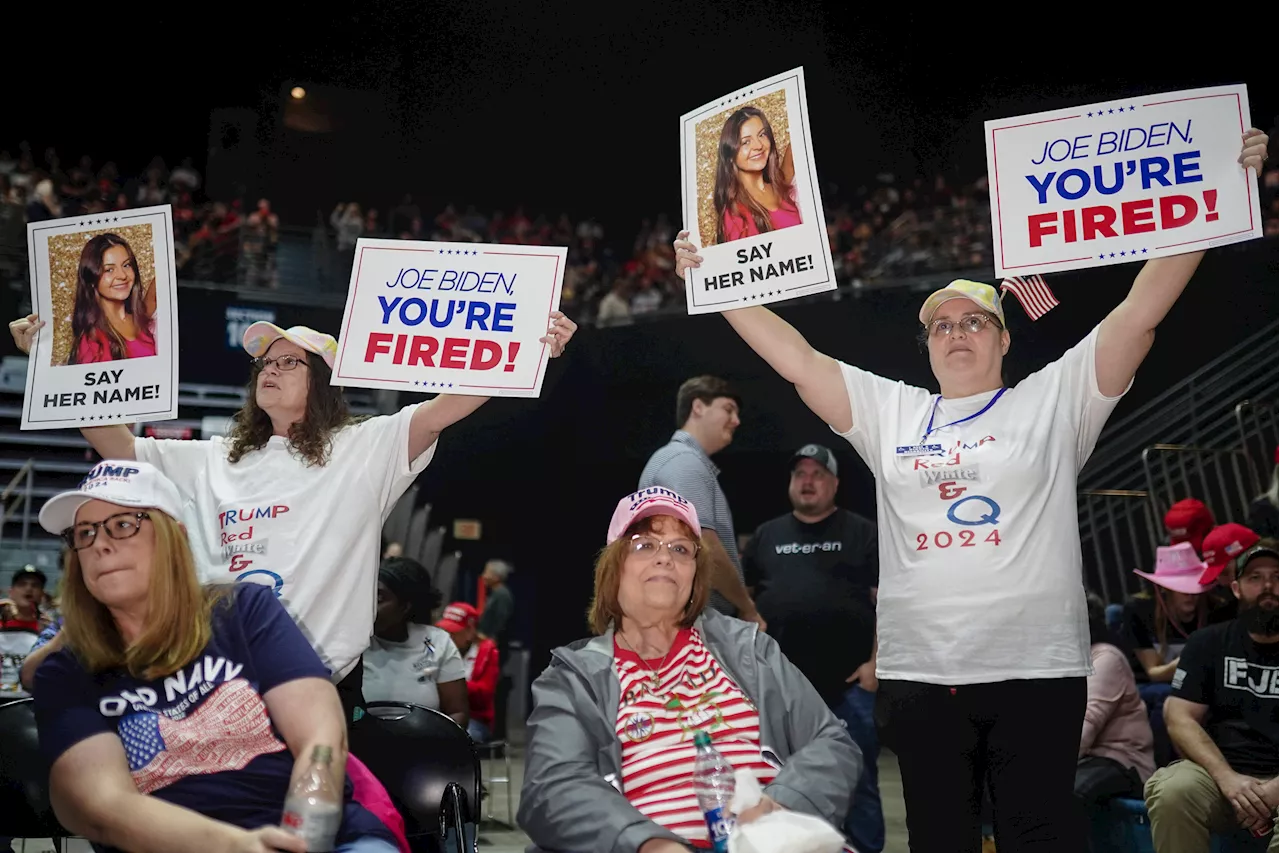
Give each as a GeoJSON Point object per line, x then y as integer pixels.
{"type": "Point", "coordinates": [311, 437]}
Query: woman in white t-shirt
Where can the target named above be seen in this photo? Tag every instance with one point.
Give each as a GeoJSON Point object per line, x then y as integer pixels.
{"type": "Point", "coordinates": [409, 659]}
{"type": "Point", "coordinates": [983, 637]}
{"type": "Point", "coordinates": [296, 496]}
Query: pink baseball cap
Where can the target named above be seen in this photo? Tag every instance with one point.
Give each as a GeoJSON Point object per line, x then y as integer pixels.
{"type": "Point", "coordinates": [259, 337]}
{"type": "Point", "coordinates": [649, 502]}
{"type": "Point", "coordinates": [1178, 568]}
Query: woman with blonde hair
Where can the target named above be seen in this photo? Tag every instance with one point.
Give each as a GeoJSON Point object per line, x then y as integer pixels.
{"type": "Point", "coordinates": [175, 717]}
{"type": "Point", "coordinates": [611, 736]}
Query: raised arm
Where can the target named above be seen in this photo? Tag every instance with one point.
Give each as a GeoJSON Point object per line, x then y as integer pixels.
{"type": "Point", "coordinates": [433, 417]}
{"type": "Point", "coordinates": [93, 795]}
{"type": "Point", "coordinates": [1126, 335]}
{"type": "Point", "coordinates": [111, 442]}
{"type": "Point", "coordinates": [816, 376]}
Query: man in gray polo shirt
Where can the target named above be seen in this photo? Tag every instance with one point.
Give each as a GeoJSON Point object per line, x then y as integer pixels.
{"type": "Point", "coordinates": [707, 414]}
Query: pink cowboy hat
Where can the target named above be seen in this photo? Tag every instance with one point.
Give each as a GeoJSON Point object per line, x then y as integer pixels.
{"type": "Point", "coordinates": [1178, 568]}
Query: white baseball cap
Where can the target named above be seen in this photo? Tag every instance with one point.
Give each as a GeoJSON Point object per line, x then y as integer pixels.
{"type": "Point", "coordinates": [126, 483]}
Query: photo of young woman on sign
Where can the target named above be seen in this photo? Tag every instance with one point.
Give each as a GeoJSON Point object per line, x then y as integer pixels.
{"type": "Point", "coordinates": [746, 171]}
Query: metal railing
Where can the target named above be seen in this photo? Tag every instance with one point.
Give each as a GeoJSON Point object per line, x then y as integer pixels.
{"type": "Point", "coordinates": [1196, 411]}
{"type": "Point", "coordinates": [12, 500]}
{"type": "Point", "coordinates": [1256, 426]}
{"type": "Point", "coordinates": [1118, 533]}
{"type": "Point", "coordinates": [1220, 478]}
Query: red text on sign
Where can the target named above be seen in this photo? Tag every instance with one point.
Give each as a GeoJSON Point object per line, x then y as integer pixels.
{"type": "Point", "coordinates": [448, 353]}
{"type": "Point", "coordinates": [1140, 216]}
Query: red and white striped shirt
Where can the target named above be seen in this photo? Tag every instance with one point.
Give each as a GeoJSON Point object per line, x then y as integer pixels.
{"type": "Point", "coordinates": [656, 727]}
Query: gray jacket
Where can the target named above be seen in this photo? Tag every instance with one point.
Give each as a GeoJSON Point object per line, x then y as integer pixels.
{"type": "Point", "coordinates": [572, 800]}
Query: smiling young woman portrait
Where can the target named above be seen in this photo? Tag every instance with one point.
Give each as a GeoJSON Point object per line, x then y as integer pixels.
{"type": "Point", "coordinates": [113, 317]}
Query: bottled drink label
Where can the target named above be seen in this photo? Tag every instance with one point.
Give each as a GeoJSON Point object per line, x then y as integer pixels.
{"type": "Point", "coordinates": [719, 825]}
{"type": "Point", "coordinates": [315, 823]}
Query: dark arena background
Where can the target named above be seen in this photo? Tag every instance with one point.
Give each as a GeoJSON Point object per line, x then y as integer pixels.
{"type": "Point", "coordinates": [557, 123]}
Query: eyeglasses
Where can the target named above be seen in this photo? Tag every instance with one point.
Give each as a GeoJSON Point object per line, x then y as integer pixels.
{"type": "Point", "coordinates": [970, 324]}
{"type": "Point", "coordinates": [122, 525]}
{"type": "Point", "coordinates": [282, 362]}
{"type": "Point", "coordinates": [647, 547]}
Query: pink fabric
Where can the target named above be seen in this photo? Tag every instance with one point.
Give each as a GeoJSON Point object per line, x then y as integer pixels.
{"type": "Point", "coordinates": [1116, 725]}
{"type": "Point", "coordinates": [96, 349]}
{"type": "Point", "coordinates": [369, 792]}
{"type": "Point", "coordinates": [740, 224]}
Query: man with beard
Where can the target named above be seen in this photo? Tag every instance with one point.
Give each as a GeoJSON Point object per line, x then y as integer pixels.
{"type": "Point", "coordinates": [1222, 717]}
{"type": "Point", "coordinates": [815, 572]}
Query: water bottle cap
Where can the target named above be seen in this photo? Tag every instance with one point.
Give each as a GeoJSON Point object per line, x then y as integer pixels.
{"type": "Point", "coordinates": [322, 755]}
{"type": "Point", "coordinates": [701, 739]}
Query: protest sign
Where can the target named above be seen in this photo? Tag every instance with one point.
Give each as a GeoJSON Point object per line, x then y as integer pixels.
{"type": "Point", "coordinates": [1120, 180]}
{"type": "Point", "coordinates": [105, 286]}
{"type": "Point", "coordinates": [462, 318]}
{"type": "Point", "coordinates": [751, 200]}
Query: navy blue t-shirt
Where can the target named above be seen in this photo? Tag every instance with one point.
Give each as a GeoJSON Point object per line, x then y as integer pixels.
{"type": "Point", "coordinates": [201, 738]}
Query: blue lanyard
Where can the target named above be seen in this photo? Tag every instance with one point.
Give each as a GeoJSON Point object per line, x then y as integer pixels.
{"type": "Point", "coordinates": [929, 430]}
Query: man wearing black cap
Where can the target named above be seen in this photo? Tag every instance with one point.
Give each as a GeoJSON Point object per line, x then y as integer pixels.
{"type": "Point", "coordinates": [815, 572]}
{"type": "Point", "coordinates": [1222, 717]}
{"type": "Point", "coordinates": [20, 625]}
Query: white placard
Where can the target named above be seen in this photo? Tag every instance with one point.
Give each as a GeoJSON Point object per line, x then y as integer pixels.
{"type": "Point", "coordinates": [105, 286]}
{"type": "Point", "coordinates": [458, 318]}
{"type": "Point", "coordinates": [1120, 180]}
{"type": "Point", "coordinates": [751, 199]}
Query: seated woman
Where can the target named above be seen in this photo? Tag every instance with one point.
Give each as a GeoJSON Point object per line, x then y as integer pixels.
{"type": "Point", "coordinates": [1156, 625]}
{"type": "Point", "coordinates": [1116, 757]}
{"type": "Point", "coordinates": [409, 659]}
{"type": "Point", "coordinates": [174, 717]}
{"type": "Point", "coordinates": [610, 749]}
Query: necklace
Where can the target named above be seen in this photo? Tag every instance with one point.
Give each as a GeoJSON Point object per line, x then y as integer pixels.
{"type": "Point", "coordinates": [654, 677]}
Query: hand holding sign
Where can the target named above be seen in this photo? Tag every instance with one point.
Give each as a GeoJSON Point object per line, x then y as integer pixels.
{"type": "Point", "coordinates": [24, 331]}
{"type": "Point", "coordinates": [457, 318]}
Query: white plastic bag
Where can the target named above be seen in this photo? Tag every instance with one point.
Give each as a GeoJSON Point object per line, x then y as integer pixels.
{"type": "Point", "coordinates": [779, 831]}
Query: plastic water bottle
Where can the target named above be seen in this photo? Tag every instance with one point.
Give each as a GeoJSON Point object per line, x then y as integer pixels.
{"type": "Point", "coordinates": [313, 809]}
{"type": "Point", "coordinates": [713, 785]}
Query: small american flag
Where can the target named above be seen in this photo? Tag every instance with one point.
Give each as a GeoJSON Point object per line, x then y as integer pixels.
{"type": "Point", "coordinates": [1033, 294]}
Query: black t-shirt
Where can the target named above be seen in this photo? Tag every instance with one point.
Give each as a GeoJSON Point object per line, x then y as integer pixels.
{"type": "Point", "coordinates": [1138, 631]}
{"type": "Point", "coordinates": [813, 586]}
{"type": "Point", "coordinates": [1224, 668]}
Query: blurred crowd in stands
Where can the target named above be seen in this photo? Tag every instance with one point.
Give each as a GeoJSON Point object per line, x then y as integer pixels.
{"type": "Point", "coordinates": [893, 228]}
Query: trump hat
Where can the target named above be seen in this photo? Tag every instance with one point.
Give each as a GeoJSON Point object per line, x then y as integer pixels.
{"type": "Point", "coordinates": [259, 337]}
{"type": "Point", "coordinates": [1223, 544]}
{"type": "Point", "coordinates": [125, 483]}
{"type": "Point", "coordinates": [650, 502]}
{"type": "Point", "coordinates": [1189, 520]}
{"type": "Point", "coordinates": [458, 616]}
{"type": "Point", "coordinates": [984, 295]}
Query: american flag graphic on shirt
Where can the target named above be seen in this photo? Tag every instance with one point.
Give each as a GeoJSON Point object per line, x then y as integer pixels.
{"type": "Point", "coordinates": [226, 731]}
{"type": "Point", "coordinates": [656, 726]}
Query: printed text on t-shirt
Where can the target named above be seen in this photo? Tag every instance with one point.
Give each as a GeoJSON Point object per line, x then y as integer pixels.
{"type": "Point", "coordinates": [1256, 678]}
